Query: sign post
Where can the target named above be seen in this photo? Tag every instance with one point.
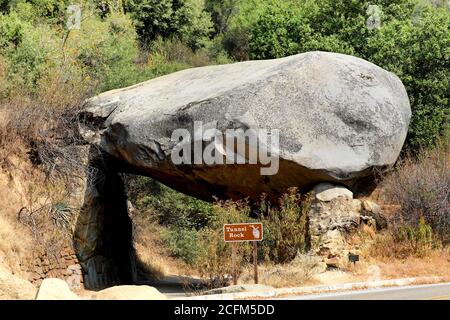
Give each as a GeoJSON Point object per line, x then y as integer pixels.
{"type": "Point", "coordinates": [233, 262]}
{"type": "Point", "coordinates": [255, 261]}
{"type": "Point", "coordinates": [241, 232]}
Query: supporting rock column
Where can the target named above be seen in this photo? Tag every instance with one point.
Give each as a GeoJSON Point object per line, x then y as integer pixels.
{"type": "Point", "coordinates": [103, 234]}
{"type": "Point", "coordinates": [334, 217]}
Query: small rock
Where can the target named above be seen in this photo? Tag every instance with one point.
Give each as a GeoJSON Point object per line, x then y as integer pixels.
{"type": "Point", "coordinates": [333, 262]}
{"type": "Point", "coordinates": [326, 192]}
{"type": "Point", "coordinates": [74, 267]}
{"type": "Point", "coordinates": [55, 289]}
{"type": "Point", "coordinates": [129, 293]}
{"type": "Point", "coordinates": [332, 243]}
{"type": "Point", "coordinates": [371, 206]}
{"type": "Point", "coordinates": [74, 281]}
{"type": "Point", "coordinates": [373, 210]}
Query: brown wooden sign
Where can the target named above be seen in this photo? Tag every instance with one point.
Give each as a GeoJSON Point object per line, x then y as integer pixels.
{"type": "Point", "coordinates": [238, 232]}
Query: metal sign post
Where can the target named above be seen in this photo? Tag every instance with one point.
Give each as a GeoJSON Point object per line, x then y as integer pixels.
{"type": "Point", "coordinates": [240, 232]}
{"type": "Point", "coordinates": [233, 262]}
{"type": "Point", "coordinates": [255, 261]}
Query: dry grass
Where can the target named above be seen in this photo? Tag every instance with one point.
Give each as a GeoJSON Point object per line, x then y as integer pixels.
{"type": "Point", "coordinates": [298, 272]}
{"type": "Point", "coordinates": [386, 255]}
{"type": "Point", "coordinates": [436, 263]}
{"type": "Point", "coordinates": [15, 244]}
{"type": "Point", "coordinates": [15, 238]}
{"type": "Point", "coordinates": [43, 126]}
{"type": "Point", "coordinates": [24, 189]}
{"type": "Point", "coordinates": [417, 241]}
{"type": "Point", "coordinates": [421, 187]}
{"type": "Point", "coordinates": [152, 253]}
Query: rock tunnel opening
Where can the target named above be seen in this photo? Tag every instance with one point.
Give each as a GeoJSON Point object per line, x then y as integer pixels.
{"type": "Point", "coordinates": [103, 233]}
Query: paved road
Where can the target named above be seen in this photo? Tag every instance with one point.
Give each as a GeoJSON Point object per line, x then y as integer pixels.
{"type": "Point", "coordinates": [175, 286]}
{"type": "Point", "coordinates": [420, 292]}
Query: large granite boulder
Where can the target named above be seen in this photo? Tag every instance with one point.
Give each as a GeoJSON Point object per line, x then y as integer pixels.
{"type": "Point", "coordinates": [55, 289]}
{"type": "Point", "coordinates": [339, 117]}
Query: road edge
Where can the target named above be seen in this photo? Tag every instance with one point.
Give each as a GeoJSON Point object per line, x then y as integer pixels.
{"type": "Point", "coordinates": [317, 289]}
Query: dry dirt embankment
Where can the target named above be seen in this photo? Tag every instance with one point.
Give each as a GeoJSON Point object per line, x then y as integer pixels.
{"type": "Point", "coordinates": [31, 248]}
{"type": "Point", "coordinates": [14, 287]}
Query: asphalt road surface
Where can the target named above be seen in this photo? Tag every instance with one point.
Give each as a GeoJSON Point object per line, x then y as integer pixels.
{"type": "Point", "coordinates": [420, 292]}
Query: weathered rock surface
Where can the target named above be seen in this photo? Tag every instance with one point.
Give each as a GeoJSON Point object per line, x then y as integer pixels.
{"type": "Point", "coordinates": [55, 289]}
{"type": "Point", "coordinates": [339, 117]}
{"type": "Point", "coordinates": [103, 233]}
{"type": "Point", "coordinates": [327, 192]}
{"type": "Point", "coordinates": [129, 293]}
{"type": "Point", "coordinates": [373, 210]}
{"type": "Point", "coordinates": [333, 221]}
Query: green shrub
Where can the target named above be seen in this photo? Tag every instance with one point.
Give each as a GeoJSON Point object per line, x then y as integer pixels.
{"type": "Point", "coordinates": [182, 244]}
{"type": "Point", "coordinates": [185, 19]}
{"type": "Point", "coordinates": [203, 248]}
{"type": "Point", "coordinates": [51, 10]}
{"type": "Point", "coordinates": [174, 51]}
{"type": "Point", "coordinates": [102, 51]}
{"type": "Point", "coordinates": [107, 50]}
{"type": "Point", "coordinates": [418, 51]}
{"type": "Point", "coordinates": [152, 17]}
{"type": "Point", "coordinates": [170, 208]}
{"type": "Point", "coordinates": [414, 240]}
{"type": "Point", "coordinates": [193, 24]}
{"type": "Point", "coordinates": [214, 261]}
{"type": "Point", "coordinates": [422, 234]}
{"type": "Point", "coordinates": [26, 49]}
{"type": "Point", "coordinates": [236, 43]}
{"type": "Point", "coordinates": [195, 228]}
{"type": "Point", "coordinates": [222, 12]}
{"type": "Point", "coordinates": [277, 33]}
{"type": "Point", "coordinates": [285, 227]}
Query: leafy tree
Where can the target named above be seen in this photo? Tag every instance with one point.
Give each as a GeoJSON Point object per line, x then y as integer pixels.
{"type": "Point", "coordinates": [277, 33]}
{"type": "Point", "coordinates": [222, 12]}
{"type": "Point", "coordinates": [106, 50]}
{"type": "Point", "coordinates": [236, 43]}
{"type": "Point", "coordinates": [192, 24]}
{"type": "Point", "coordinates": [152, 18]}
{"type": "Point", "coordinates": [186, 19]}
{"type": "Point", "coordinates": [25, 48]}
{"type": "Point", "coordinates": [418, 51]}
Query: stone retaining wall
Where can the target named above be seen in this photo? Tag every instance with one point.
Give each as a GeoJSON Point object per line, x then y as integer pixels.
{"type": "Point", "coordinates": [63, 265]}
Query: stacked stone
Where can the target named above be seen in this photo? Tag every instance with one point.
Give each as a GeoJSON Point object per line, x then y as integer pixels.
{"type": "Point", "coordinates": [335, 217]}
{"type": "Point", "coordinates": [63, 265]}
